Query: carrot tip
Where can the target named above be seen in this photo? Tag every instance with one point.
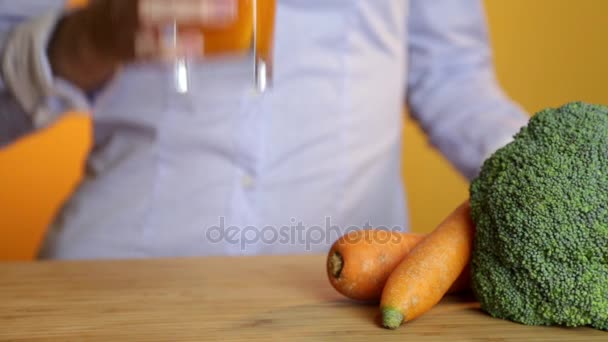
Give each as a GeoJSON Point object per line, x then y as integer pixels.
{"type": "Point", "coordinates": [336, 263]}
{"type": "Point", "coordinates": [391, 318]}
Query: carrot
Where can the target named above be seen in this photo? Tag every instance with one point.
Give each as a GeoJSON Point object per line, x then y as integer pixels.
{"type": "Point", "coordinates": [359, 262]}
{"type": "Point", "coordinates": [426, 274]}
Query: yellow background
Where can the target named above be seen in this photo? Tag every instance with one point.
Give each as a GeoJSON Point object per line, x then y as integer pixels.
{"type": "Point", "coordinates": [547, 52]}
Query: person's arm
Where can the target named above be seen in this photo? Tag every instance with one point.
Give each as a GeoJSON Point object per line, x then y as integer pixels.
{"type": "Point", "coordinates": [452, 88]}
{"type": "Point", "coordinates": [30, 97]}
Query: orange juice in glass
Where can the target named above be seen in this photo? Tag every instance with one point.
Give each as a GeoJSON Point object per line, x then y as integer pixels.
{"type": "Point", "coordinates": [250, 33]}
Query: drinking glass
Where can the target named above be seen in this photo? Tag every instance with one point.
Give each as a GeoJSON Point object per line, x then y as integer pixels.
{"type": "Point", "coordinates": [249, 33]}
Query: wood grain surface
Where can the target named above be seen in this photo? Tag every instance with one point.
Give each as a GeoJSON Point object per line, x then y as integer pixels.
{"type": "Point", "coordinates": [261, 298]}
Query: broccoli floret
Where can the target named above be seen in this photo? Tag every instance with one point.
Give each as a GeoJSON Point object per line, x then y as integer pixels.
{"type": "Point", "coordinates": [540, 206]}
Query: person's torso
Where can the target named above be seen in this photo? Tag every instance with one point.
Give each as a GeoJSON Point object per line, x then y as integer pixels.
{"type": "Point", "coordinates": [226, 171]}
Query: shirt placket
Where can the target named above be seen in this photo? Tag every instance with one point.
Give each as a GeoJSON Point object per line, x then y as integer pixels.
{"type": "Point", "coordinates": [247, 183]}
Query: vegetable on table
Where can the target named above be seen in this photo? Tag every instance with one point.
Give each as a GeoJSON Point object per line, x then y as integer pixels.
{"type": "Point", "coordinates": [360, 262]}
{"type": "Point", "coordinates": [540, 206]}
{"type": "Point", "coordinates": [426, 274]}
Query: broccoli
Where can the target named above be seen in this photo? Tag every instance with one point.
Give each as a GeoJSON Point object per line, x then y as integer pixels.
{"type": "Point", "coordinates": [540, 206]}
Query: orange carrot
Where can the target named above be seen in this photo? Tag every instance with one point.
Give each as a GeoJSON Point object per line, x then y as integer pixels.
{"type": "Point", "coordinates": [426, 274]}
{"type": "Point", "coordinates": [359, 262]}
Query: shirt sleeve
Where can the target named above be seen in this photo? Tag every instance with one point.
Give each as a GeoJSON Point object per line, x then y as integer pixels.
{"type": "Point", "coordinates": [30, 96]}
{"type": "Point", "coordinates": [452, 89]}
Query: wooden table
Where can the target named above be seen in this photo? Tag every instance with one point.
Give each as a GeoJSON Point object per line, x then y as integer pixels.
{"type": "Point", "coordinates": [261, 298]}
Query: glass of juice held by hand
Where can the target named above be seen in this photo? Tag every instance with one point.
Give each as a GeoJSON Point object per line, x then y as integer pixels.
{"type": "Point", "coordinates": [213, 28]}
{"type": "Point", "coordinates": [249, 33]}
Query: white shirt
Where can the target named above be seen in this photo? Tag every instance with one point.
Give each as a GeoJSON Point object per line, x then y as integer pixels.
{"type": "Point", "coordinates": [225, 172]}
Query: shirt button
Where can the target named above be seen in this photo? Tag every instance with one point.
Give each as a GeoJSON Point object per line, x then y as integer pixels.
{"type": "Point", "coordinates": [248, 182]}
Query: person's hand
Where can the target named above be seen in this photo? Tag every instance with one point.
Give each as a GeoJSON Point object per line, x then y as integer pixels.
{"type": "Point", "coordinates": [89, 45]}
